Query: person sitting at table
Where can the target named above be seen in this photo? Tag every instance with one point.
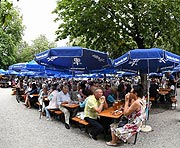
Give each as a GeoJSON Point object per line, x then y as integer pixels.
{"type": "Point", "coordinates": [82, 102]}
{"type": "Point", "coordinates": [107, 90]}
{"type": "Point", "coordinates": [74, 93]}
{"type": "Point", "coordinates": [172, 86]}
{"type": "Point", "coordinates": [42, 95]}
{"type": "Point", "coordinates": [20, 85]}
{"type": "Point", "coordinates": [172, 80]}
{"type": "Point", "coordinates": [111, 98]}
{"type": "Point", "coordinates": [28, 88]}
{"type": "Point", "coordinates": [93, 86]}
{"type": "Point", "coordinates": [94, 105]}
{"type": "Point", "coordinates": [29, 97]}
{"type": "Point", "coordinates": [39, 87]}
{"type": "Point", "coordinates": [153, 90]}
{"type": "Point", "coordinates": [135, 113]}
{"type": "Point", "coordinates": [19, 90]}
{"type": "Point", "coordinates": [121, 90]}
{"type": "Point", "coordinates": [64, 98]}
{"type": "Point", "coordinates": [52, 97]}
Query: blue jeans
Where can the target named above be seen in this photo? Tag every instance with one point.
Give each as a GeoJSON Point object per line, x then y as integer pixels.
{"type": "Point", "coordinates": [47, 113]}
{"type": "Point", "coordinates": [97, 127]}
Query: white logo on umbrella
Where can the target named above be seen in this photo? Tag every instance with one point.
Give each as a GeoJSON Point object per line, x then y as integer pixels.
{"type": "Point", "coordinates": [98, 58]}
{"type": "Point", "coordinates": [52, 58]}
{"type": "Point", "coordinates": [77, 61]}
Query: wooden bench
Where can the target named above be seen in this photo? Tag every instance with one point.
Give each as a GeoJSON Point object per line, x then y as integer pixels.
{"type": "Point", "coordinates": [81, 122]}
{"type": "Point", "coordinates": [57, 112]}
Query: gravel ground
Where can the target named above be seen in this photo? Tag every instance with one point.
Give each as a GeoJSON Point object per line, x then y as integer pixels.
{"type": "Point", "coordinates": [21, 128]}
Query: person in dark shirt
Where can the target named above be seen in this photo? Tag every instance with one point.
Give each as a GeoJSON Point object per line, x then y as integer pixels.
{"type": "Point", "coordinates": [121, 91]}
{"type": "Point", "coordinates": [172, 85]}
{"type": "Point", "coordinates": [153, 90]}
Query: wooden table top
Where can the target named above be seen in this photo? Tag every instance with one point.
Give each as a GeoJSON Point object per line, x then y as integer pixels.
{"type": "Point", "coordinates": [164, 89]}
{"type": "Point", "coordinates": [35, 95]}
{"type": "Point", "coordinates": [163, 92]}
{"type": "Point", "coordinates": [70, 105]}
{"type": "Point", "coordinates": [110, 113]}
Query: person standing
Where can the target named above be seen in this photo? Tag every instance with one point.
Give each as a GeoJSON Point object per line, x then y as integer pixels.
{"type": "Point", "coordinates": [94, 105]}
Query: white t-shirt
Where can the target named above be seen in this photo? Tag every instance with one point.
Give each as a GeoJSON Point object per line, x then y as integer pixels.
{"type": "Point", "coordinates": [172, 87]}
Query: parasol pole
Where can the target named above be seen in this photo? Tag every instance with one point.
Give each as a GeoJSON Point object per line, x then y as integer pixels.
{"type": "Point", "coordinates": [147, 128]}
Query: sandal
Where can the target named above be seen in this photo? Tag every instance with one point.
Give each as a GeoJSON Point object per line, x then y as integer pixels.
{"type": "Point", "coordinates": [111, 144]}
{"type": "Point", "coordinates": [24, 104]}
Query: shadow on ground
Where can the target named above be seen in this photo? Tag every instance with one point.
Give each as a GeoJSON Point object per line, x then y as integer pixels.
{"type": "Point", "coordinates": [159, 108]}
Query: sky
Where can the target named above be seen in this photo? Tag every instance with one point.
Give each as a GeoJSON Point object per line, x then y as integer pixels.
{"type": "Point", "coordinates": [38, 19]}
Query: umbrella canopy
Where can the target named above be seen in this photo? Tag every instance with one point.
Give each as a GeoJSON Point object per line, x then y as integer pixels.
{"type": "Point", "coordinates": [127, 74]}
{"type": "Point", "coordinates": [17, 66]}
{"type": "Point", "coordinates": [2, 71]}
{"type": "Point", "coordinates": [34, 66]}
{"type": "Point", "coordinates": [146, 60]}
{"type": "Point", "coordinates": [177, 68]}
{"type": "Point", "coordinates": [11, 72]}
{"type": "Point", "coordinates": [73, 58]}
{"type": "Point", "coordinates": [154, 74]}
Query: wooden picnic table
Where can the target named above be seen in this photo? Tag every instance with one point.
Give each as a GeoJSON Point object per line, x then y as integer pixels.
{"type": "Point", "coordinates": [110, 113]}
{"type": "Point", "coordinates": [164, 92]}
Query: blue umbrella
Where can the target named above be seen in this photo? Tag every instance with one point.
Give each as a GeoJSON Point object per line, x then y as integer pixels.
{"type": "Point", "coordinates": [17, 66]}
{"type": "Point", "coordinates": [11, 72]}
{"type": "Point", "coordinates": [154, 74]}
{"type": "Point", "coordinates": [34, 66]}
{"type": "Point", "coordinates": [177, 68]}
{"type": "Point", "coordinates": [2, 71]}
{"type": "Point", "coordinates": [146, 60]}
{"type": "Point", "coordinates": [127, 74]}
{"type": "Point", "coordinates": [73, 58]}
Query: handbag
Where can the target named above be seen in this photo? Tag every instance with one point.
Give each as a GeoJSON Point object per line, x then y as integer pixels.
{"type": "Point", "coordinates": [123, 121]}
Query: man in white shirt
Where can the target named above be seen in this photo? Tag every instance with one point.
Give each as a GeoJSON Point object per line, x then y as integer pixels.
{"type": "Point", "coordinates": [63, 98]}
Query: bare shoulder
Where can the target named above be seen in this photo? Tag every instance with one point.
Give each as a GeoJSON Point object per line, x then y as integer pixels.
{"type": "Point", "coordinates": [137, 103]}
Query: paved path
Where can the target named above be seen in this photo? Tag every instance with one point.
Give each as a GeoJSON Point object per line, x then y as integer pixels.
{"type": "Point", "coordinates": [21, 128]}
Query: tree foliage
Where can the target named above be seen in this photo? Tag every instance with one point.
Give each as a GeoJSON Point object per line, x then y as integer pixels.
{"type": "Point", "coordinates": [11, 31]}
{"type": "Point", "coordinates": [117, 26]}
{"type": "Point", "coordinates": [41, 44]}
{"type": "Point", "coordinates": [26, 52]}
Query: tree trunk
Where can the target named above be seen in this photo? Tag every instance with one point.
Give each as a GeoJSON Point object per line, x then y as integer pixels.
{"type": "Point", "coordinates": [144, 83]}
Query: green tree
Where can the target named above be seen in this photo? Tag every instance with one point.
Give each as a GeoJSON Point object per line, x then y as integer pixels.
{"type": "Point", "coordinates": [117, 26]}
{"type": "Point", "coordinates": [26, 52]}
{"type": "Point", "coordinates": [41, 44]}
{"type": "Point", "coordinates": [11, 31]}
